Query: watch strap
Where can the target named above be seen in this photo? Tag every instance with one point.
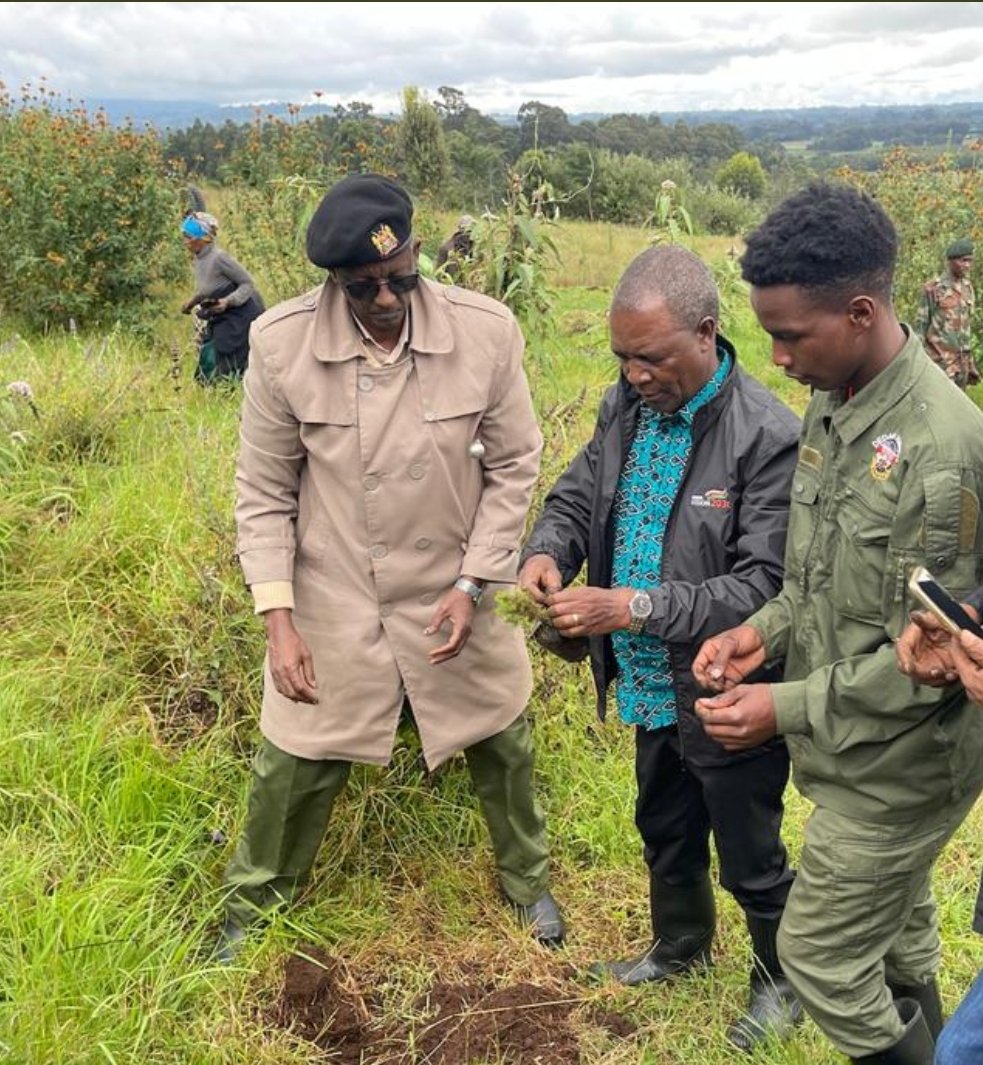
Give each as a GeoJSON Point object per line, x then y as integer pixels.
{"type": "Point", "coordinates": [475, 591]}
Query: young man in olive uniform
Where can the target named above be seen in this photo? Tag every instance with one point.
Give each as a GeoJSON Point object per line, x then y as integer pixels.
{"type": "Point", "coordinates": [890, 476]}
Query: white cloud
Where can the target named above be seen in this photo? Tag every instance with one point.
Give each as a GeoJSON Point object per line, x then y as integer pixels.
{"type": "Point", "coordinates": [579, 56]}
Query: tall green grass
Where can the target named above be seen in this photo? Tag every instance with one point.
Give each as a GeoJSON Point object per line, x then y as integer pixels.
{"type": "Point", "coordinates": [129, 686]}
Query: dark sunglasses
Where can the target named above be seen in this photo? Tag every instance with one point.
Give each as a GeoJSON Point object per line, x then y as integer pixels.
{"type": "Point", "coordinates": [368, 290]}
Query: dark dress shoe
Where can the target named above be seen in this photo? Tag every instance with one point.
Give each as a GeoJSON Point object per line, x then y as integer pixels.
{"type": "Point", "coordinates": [231, 939]}
{"type": "Point", "coordinates": [543, 918]}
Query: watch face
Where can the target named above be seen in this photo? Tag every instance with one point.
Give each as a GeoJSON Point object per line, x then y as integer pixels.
{"type": "Point", "coordinates": [640, 605]}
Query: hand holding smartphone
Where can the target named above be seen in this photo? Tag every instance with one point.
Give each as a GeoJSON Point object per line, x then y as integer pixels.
{"type": "Point", "coordinates": [935, 599]}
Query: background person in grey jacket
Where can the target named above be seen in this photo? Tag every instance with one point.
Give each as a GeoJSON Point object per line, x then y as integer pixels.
{"type": "Point", "coordinates": [679, 506]}
{"type": "Point", "coordinates": [225, 300]}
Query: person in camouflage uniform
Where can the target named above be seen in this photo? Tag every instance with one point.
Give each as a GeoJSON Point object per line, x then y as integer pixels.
{"type": "Point", "coordinates": [944, 313]}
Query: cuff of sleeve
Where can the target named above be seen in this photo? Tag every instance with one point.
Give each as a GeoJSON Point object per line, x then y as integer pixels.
{"type": "Point", "coordinates": [660, 605]}
{"type": "Point", "coordinates": [789, 700]}
{"type": "Point", "coordinates": [772, 625]}
{"type": "Point", "coordinates": [273, 595]}
{"type": "Point", "coordinates": [494, 565]}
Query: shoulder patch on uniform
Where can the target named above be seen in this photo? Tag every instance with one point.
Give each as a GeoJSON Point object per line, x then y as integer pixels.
{"type": "Point", "coordinates": [298, 305]}
{"type": "Point", "coordinates": [809, 456]}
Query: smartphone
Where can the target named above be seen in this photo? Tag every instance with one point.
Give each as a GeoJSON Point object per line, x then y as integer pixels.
{"type": "Point", "coordinates": [927, 590]}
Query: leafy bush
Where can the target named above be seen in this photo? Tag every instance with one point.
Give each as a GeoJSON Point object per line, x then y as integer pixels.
{"type": "Point", "coordinates": [274, 147]}
{"type": "Point", "coordinates": [598, 184]}
{"type": "Point", "coordinates": [717, 211]}
{"type": "Point", "coordinates": [421, 146]}
{"type": "Point", "coordinates": [268, 225]}
{"type": "Point", "coordinates": [932, 203]}
{"type": "Point", "coordinates": [86, 213]}
{"type": "Point", "coordinates": [743, 175]}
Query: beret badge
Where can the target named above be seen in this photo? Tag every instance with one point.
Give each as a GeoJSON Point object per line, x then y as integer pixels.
{"type": "Point", "coordinates": [384, 240]}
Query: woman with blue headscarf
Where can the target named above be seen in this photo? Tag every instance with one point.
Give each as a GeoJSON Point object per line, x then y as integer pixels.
{"type": "Point", "coordinates": [226, 300]}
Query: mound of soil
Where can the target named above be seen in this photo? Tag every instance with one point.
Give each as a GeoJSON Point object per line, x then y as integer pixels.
{"type": "Point", "coordinates": [322, 1001]}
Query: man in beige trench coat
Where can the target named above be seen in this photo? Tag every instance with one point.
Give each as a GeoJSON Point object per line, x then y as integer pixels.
{"type": "Point", "coordinates": [388, 454]}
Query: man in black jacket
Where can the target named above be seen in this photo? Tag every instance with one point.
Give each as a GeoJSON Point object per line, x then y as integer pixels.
{"type": "Point", "coordinates": [679, 506]}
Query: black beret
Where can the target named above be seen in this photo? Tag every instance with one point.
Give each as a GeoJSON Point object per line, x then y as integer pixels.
{"type": "Point", "coordinates": [365, 218]}
{"type": "Point", "coordinates": [959, 249]}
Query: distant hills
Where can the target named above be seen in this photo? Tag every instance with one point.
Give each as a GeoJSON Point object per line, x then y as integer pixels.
{"type": "Point", "coordinates": [926, 123]}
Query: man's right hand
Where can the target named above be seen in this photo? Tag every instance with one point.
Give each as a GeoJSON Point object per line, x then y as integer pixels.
{"type": "Point", "coordinates": [924, 651]}
{"type": "Point", "coordinates": [540, 577]}
{"type": "Point", "coordinates": [967, 656]}
{"type": "Point", "coordinates": [291, 662]}
{"type": "Point", "coordinates": [188, 306]}
{"type": "Point", "coordinates": [726, 659]}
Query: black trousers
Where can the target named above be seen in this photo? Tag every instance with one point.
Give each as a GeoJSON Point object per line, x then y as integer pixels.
{"type": "Point", "coordinates": [679, 804]}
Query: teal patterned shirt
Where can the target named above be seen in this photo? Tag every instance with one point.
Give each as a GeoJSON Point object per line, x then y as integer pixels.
{"type": "Point", "coordinates": [647, 488]}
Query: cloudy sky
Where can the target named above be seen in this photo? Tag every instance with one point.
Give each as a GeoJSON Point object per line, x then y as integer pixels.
{"type": "Point", "coordinates": [578, 56]}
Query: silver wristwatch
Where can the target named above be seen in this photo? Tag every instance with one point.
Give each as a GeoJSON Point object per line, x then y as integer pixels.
{"type": "Point", "coordinates": [462, 584]}
{"type": "Point", "coordinates": [639, 610]}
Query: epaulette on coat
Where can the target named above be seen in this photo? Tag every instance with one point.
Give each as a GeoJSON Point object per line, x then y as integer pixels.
{"type": "Point", "coordinates": [303, 304]}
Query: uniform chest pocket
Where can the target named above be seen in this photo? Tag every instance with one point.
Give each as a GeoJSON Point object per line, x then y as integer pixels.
{"type": "Point", "coordinates": [451, 408]}
{"type": "Point", "coordinates": [951, 301]}
{"type": "Point", "coordinates": [803, 515]}
{"type": "Point", "coordinates": [860, 561]}
{"type": "Point", "coordinates": [326, 421]}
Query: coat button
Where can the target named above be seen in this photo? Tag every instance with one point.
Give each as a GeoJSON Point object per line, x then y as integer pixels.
{"type": "Point", "coordinates": [417, 470]}
{"type": "Point", "coordinates": [423, 543]}
{"type": "Point", "coordinates": [370, 483]}
{"type": "Point", "coordinates": [799, 488]}
{"type": "Point", "coordinates": [385, 609]}
{"type": "Point", "coordinates": [379, 551]}
{"type": "Point", "coordinates": [309, 301]}
{"type": "Point", "coordinates": [365, 384]}
{"type": "Point", "coordinates": [428, 597]}
{"type": "Point", "coordinates": [476, 449]}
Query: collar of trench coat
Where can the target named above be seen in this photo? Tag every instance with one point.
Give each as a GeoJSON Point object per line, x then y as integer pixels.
{"type": "Point", "coordinates": [336, 337]}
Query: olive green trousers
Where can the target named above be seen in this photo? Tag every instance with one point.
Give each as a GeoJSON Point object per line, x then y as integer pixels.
{"type": "Point", "coordinates": [291, 801]}
{"type": "Point", "coordinates": [860, 914]}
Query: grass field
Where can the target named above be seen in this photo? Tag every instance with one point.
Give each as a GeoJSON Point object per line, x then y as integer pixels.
{"type": "Point", "coordinates": [128, 692]}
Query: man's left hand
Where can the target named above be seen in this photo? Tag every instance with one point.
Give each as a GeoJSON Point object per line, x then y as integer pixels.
{"type": "Point", "coordinates": [585, 611]}
{"type": "Point", "coordinates": [741, 718]}
{"type": "Point", "coordinates": [457, 608]}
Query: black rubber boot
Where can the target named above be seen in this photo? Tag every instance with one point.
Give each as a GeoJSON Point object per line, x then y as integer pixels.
{"type": "Point", "coordinates": [231, 940]}
{"type": "Point", "coordinates": [916, 1046]}
{"type": "Point", "coordinates": [773, 1009]}
{"type": "Point", "coordinates": [927, 996]}
{"type": "Point", "coordinates": [683, 922]}
{"type": "Point", "coordinates": [544, 920]}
